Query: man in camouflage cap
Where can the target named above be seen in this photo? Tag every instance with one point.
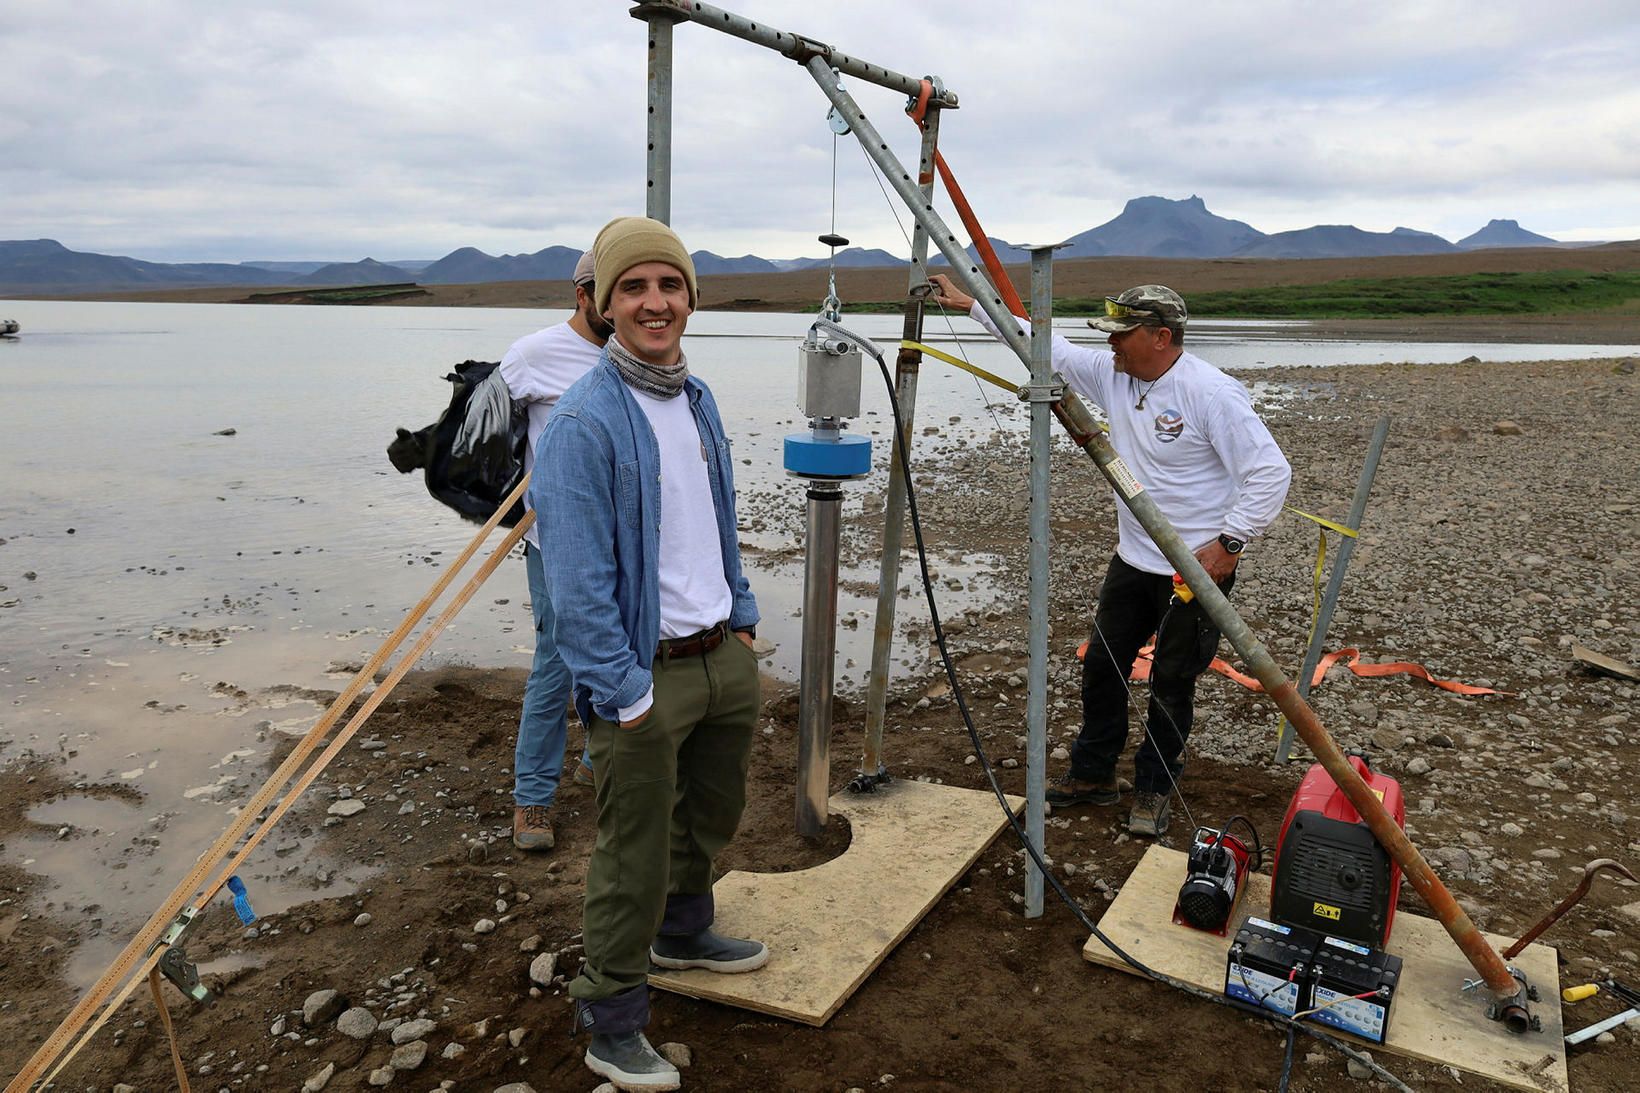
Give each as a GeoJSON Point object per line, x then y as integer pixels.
{"type": "Point", "coordinates": [1189, 434]}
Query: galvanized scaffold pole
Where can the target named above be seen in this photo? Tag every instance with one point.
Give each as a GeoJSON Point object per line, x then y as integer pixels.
{"type": "Point", "coordinates": [1042, 392]}
{"type": "Point", "coordinates": [907, 366]}
{"type": "Point", "coordinates": [658, 191]}
{"type": "Point", "coordinates": [1508, 993]}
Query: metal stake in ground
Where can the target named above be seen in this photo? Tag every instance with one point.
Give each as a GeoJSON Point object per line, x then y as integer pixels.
{"type": "Point", "coordinates": [1335, 580]}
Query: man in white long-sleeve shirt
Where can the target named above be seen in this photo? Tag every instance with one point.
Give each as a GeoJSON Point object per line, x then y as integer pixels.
{"type": "Point", "coordinates": [1189, 434]}
{"type": "Point", "coordinates": [538, 369]}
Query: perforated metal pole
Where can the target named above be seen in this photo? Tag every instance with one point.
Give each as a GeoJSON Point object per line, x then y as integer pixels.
{"type": "Point", "coordinates": [795, 46]}
{"type": "Point", "coordinates": [1042, 392]}
{"type": "Point", "coordinates": [907, 367]}
{"type": "Point", "coordinates": [658, 193]}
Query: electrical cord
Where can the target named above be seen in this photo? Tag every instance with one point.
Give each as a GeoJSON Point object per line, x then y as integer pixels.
{"type": "Point", "coordinates": [1081, 915]}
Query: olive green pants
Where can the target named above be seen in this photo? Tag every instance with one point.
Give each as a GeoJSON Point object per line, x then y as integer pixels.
{"type": "Point", "coordinates": [670, 792]}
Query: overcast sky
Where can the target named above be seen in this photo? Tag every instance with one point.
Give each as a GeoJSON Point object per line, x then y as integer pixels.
{"type": "Point", "coordinates": [185, 130]}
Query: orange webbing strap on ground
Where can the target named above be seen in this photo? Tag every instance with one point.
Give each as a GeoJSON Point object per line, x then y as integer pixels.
{"type": "Point", "coordinates": [982, 244]}
{"type": "Point", "coordinates": [1395, 668]}
{"type": "Point", "coordinates": [142, 953]}
{"type": "Point", "coordinates": [170, 1030]}
{"type": "Point", "coordinates": [1141, 671]}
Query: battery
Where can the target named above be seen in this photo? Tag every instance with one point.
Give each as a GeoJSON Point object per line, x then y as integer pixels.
{"type": "Point", "coordinates": [1270, 966]}
{"type": "Point", "coordinates": [1344, 970]}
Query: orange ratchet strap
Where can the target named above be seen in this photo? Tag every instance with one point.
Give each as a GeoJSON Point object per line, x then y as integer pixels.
{"type": "Point", "coordinates": [982, 244]}
{"type": "Point", "coordinates": [1366, 670]}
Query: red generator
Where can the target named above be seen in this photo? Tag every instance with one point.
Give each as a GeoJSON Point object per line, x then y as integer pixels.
{"type": "Point", "coordinates": [1330, 874]}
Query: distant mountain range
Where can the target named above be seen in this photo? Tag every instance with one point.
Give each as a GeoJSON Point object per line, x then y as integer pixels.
{"type": "Point", "coordinates": [1153, 227]}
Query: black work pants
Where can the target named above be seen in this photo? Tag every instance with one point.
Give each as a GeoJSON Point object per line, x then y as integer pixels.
{"type": "Point", "coordinates": [1133, 605]}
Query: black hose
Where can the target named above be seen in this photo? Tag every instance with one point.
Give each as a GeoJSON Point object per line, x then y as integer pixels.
{"type": "Point", "coordinates": [1278, 1020]}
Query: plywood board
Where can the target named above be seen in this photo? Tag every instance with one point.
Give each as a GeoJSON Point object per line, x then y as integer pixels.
{"type": "Point", "coordinates": [1601, 664]}
{"type": "Point", "coordinates": [1432, 1017]}
{"type": "Point", "coordinates": [828, 928]}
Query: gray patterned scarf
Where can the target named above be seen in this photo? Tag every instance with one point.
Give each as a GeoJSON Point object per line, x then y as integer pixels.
{"type": "Point", "coordinates": [651, 379]}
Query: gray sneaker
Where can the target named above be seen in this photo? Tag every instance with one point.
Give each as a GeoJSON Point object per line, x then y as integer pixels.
{"type": "Point", "coordinates": [1149, 815]}
{"type": "Point", "coordinates": [714, 952]}
{"type": "Point", "coordinates": [628, 1061]}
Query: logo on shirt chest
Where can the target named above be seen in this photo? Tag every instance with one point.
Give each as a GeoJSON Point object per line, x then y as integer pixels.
{"type": "Point", "coordinates": [1169, 426]}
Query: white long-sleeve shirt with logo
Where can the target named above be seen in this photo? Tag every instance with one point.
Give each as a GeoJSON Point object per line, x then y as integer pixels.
{"type": "Point", "coordinates": [1196, 446]}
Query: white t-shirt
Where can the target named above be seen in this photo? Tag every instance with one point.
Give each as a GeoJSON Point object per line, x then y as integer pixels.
{"type": "Point", "coordinates": [1197, 446]}
{"type": "Point", "coordinates": [538, 369]}
{"type": "Point", "coordinates": [694, 593]}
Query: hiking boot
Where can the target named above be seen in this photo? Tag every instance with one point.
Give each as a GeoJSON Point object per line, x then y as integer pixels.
{"type": "Point", "coordinates": [714, 952]}
{"type": "Point", "coordinates": [532, 827]}
{"type": "Point", "coordinates": [628, 1061]}
{"type": "Point", "coordinates": [1149, 815]}
{"type": "Point", "coordinates": [583, 774]}
{"type": "Point", "coordinates": [1071, 790]}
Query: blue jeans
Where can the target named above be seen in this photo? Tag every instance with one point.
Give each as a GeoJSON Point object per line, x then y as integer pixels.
{"type": "Point", "coordinates": [538, 760]}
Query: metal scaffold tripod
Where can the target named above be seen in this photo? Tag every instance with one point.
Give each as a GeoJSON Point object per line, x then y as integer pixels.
{"type": "Point", "coordinates": [823, 64]}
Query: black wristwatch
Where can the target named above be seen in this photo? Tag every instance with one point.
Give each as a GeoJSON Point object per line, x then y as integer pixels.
{"type": "Point", "coordinates": [1231, 544]}
{"type": "Point", "coordinates": [749, 631]}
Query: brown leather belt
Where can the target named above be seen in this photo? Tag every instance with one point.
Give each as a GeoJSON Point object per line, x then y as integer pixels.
{"type": "Point", "coordinates": [695, 645]}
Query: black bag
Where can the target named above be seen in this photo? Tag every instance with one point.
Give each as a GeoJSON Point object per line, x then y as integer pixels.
{"type": "Point", "coordinates": [478, 449]}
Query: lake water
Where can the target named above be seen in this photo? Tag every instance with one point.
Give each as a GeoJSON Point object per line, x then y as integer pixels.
{"type": "Point", "coordinates": [144, 560]}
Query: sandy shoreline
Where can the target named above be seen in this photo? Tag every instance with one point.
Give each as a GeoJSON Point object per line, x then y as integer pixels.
{"type": "Point", "coordinates": [1485, 554]}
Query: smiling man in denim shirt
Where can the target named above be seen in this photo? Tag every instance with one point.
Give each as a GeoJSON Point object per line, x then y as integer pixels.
{"type": "Point", "coordinates": [635, 492]}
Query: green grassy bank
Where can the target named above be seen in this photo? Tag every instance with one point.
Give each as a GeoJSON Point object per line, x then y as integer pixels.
{"type": "Point", "coordinates": [1548, 292]}
{"type": "Point", "coordinates": [1552, 291]}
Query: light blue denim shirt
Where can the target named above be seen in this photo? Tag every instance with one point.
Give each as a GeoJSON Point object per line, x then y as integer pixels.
{"type": "Point", "coordinates": [596, 492]}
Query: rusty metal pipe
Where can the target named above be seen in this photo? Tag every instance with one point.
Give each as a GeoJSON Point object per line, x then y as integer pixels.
{"type": "Point", "coordinates": [1568, 903]}
{"type": "Point", "coordinates": [1080, 424]}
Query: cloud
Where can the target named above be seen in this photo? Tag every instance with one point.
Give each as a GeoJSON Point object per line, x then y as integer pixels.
{"type": "Point", "coordinates": [188, 130]}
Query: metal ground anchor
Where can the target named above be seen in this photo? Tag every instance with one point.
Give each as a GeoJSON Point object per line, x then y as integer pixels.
{"type": "Point", "coordinates": [868, 783]}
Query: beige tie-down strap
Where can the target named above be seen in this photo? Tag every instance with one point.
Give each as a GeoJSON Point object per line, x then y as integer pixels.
{"type": "Point", "coordinates": [141, 955]}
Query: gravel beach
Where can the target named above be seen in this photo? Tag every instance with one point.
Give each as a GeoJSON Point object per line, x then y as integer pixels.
{"type": "Point", "coordinates": [1499, 536]}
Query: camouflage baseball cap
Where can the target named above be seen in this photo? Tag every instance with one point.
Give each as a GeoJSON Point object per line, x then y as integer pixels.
{"type": "Point", "coordinates": [1145, 305]}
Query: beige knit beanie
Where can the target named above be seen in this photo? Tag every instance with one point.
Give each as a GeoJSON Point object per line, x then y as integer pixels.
{"type": "Point", "coordinates": [629, 241]}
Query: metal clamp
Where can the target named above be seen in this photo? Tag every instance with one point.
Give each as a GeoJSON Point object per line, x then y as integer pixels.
{"type": "Point", "coordinates": [1051, 391]}
{"type": "Point", "coordinates": [863, 782]}
{"type": "Point", "coordinates": [174, 963]}
{"type": "Point", "coordinates": [1514, 1011]}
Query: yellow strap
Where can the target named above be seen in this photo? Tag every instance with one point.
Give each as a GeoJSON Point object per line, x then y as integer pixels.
{"type": "Point", "coordinates": [958, 362]}
{"type": "Point", "coordinates": [1315, 582]}
{"type": "Point", "coordinates": [1323, 525]}
{"type": "Point", "coordinates": [1323, 521]}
